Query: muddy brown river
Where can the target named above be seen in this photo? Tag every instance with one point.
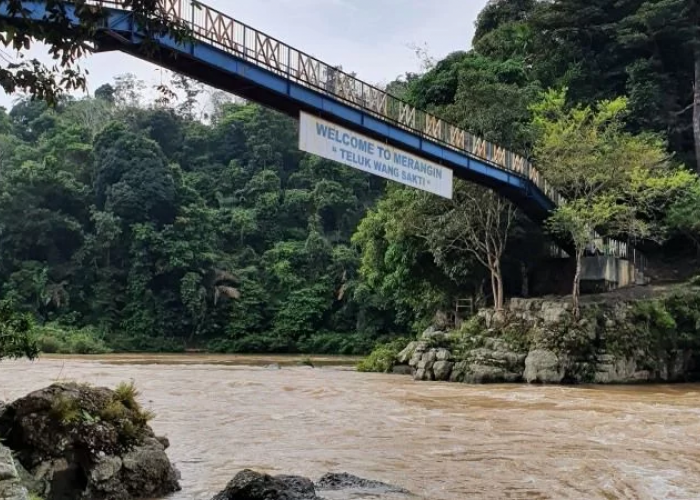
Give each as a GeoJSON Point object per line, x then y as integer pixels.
{"type": "Point", "coordinates": [441, 441]}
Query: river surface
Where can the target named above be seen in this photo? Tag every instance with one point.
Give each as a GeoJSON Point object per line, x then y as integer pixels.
{"type": "Point", "coordinates": [441, 441]}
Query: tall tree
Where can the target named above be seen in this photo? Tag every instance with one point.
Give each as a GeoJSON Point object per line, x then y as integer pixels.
{"type": "Point", "coordinates": [476, 222]}
{"type": "Point", "coordinates": [613, 181]}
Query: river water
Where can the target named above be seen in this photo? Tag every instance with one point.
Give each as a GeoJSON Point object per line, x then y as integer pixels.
{"type": "Point", "coordinates": [441, 441]}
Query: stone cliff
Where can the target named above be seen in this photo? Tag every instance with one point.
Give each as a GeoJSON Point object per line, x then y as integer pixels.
{"type": "Point", "coordinates": [540, 341]}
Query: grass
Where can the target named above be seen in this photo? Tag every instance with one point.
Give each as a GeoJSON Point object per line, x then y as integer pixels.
{"type": "Point", "coordinates": [65, 410]}
{"type": "Point", "coordinates": [126, 393]}
{"type": "Point", "coordinates": [114, 411]}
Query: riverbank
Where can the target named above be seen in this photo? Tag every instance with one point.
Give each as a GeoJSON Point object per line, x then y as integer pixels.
{"type": "Point", "coordinates": [485, 442]}
{"type": "Point", "coordinates": [253, 360]}
{"type": "Point", "coordinates": [635, 336]}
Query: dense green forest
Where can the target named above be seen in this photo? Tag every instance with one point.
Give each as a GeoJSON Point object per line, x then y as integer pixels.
{"type": "Point", "coordinates": [135, 225]}
{"type": "Point", "coordinates": [160, 232]}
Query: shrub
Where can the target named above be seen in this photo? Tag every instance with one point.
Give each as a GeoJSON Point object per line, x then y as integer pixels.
{"type": "Point", "coordinates": [54, 338]}
{"type": "Point", "coordinates": [383, 357]}
{"type": "Point", "coordinates": [49, 345]}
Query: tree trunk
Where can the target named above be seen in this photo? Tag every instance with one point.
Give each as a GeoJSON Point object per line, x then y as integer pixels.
{"type": "Point", "coordinates": [501, 294]}
{"type": "Point", "coordinates": [577, 283]}
{"type": "Point", "coordinates": [494, 288]}
{"type": "Point", "coordinates": [498, 297]}
{"type": "Point", "coordinates": [696, 106]}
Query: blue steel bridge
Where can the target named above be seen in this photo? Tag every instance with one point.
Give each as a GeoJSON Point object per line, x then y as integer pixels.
{"type": "Point", "coordinates": [232, 56]}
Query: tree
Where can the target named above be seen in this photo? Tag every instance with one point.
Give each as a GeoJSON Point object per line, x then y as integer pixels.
{"type": "Point", "coordinates": [668, 32]}
{"type": "Point", "coordinates": [498, 13]}
{"type": "Point", "coordinates": [683, 215]}
{"type": "Point", "coordinates": [476, 222]}
{"type": "Point", "coordinates": [67, 42]}
{"type": "Point", "coordinates": [400, 285]}
{"type": "Point", "coordinates": [645, 49]}
{"type": "Point", "coordinates": [613, 181]}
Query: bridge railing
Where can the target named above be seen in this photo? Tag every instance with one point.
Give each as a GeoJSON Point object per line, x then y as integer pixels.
{"type": "Point", "coordinates": [235, 37]}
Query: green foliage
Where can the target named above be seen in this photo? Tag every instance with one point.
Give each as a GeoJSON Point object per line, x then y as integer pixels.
{"type": "Point", "coordinates": [641, 48]}
{"type": "Point", "coordinates": [16, 339]}
{"type": "Point", "coordinates": [683, 216]}
{"type": "Point", "coordinates": [135, 229]}
{"type": "Point", "coordinates": [67, 42]}
{"type": "Point", "coordinates": [114, 411]}
{"type": "Point", "coordinates": [65, 409]}
{"type": "Point", "coordinates": [126, 394]}
{"type": "Point", "coordinates": [383, 357]}
{"type": "Point", "coordinates": [53, 339]}
{"type": "Point", "coordinates": [575, 149]}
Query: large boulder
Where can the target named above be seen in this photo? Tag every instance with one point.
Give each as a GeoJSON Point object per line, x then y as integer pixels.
{"type": "Point", "coordinates": [413, 353]}
{"type": "Point", "coordinates": [442, 370]}
{"type": "Point", "coordinates": [432, 334]}
{"type": "Point", "coordinates": [81, 442]}
{"type": "Point", "coordinates": [251, 485]}
{"type": "Point", "coordinates": [485, 374]}
{"type": "Point", "coordinates": [544, 366]}
{"type": "Point", "coordinates": [10, 485]}
{"type": "Point", "coordinates": [405, 356]}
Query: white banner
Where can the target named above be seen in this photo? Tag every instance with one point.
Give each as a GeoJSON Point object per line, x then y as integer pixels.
{"type": "Point", "coordinates": [334, 142]}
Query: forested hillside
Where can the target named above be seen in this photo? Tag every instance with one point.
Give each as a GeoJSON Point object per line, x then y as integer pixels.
{"type": "Point", "coordinates": [160, 232]}
{"type": "Point", "coordinates": [133, 225]}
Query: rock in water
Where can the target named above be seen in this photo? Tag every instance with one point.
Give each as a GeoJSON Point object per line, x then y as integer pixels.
{"type": "Point", "coordinates": [250, 485]}
{"type": "Point", "coordinates": [345, 481]}
{"type": "Point", "coordinates": [87, 443]}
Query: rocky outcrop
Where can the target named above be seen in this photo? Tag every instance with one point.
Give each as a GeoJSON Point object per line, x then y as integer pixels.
{"type": "Point", "coordinates": [540, 341]}
{"type": "Point", "coordinates": [10, 485]}
{"type": "Point", "coordinates": [251, 485]}
{"type": "Point", "coordinates": [82, 442]}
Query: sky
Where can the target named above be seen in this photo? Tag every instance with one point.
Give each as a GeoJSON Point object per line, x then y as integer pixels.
{"type": "Point", "coordinates": [372, 38]}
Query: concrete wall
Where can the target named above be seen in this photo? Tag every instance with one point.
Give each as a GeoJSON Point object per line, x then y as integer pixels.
{"type": "Point", "coordinates": [600, 274]}
{"type": "Point", "coordinates": [616, 272]}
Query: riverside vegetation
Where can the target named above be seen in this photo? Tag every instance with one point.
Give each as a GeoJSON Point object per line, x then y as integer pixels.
{"type": "Point", "coordinates": [131, 225]}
